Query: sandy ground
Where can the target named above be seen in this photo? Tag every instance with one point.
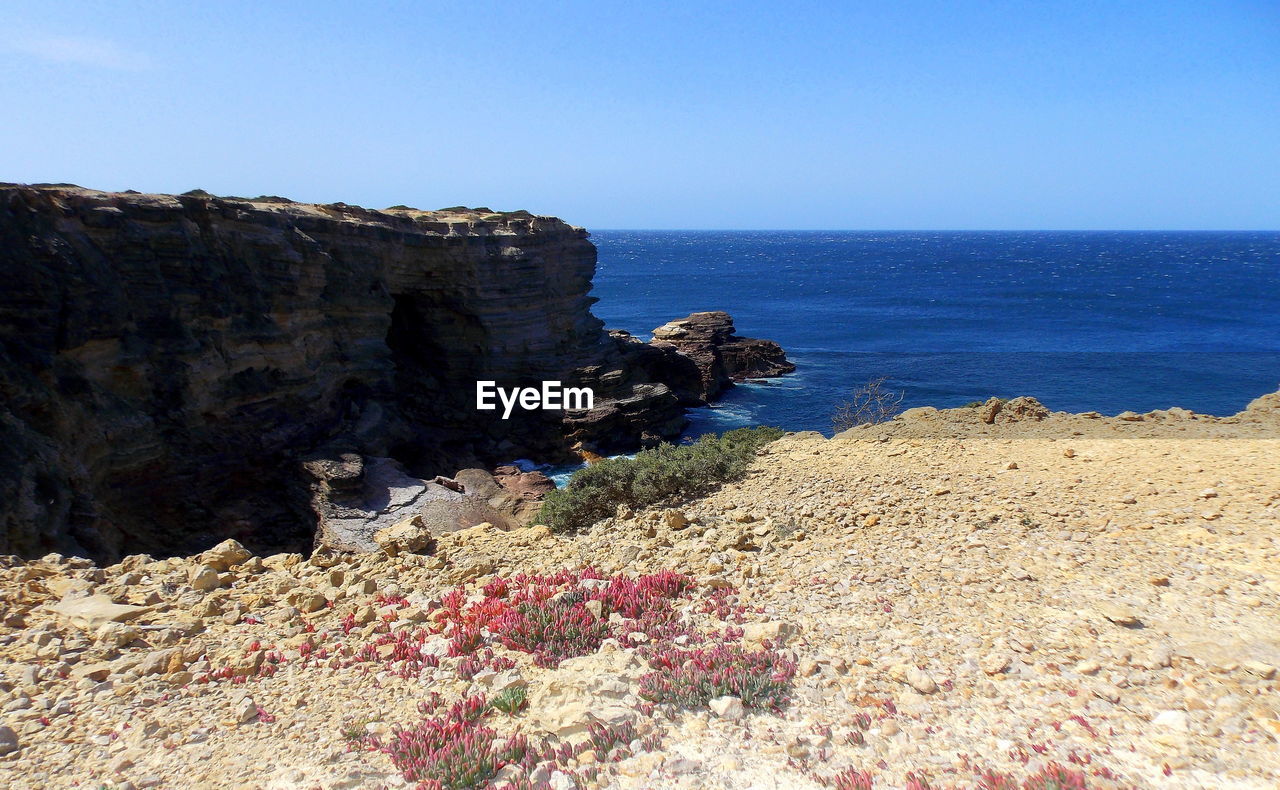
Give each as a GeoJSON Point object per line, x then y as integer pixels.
{"type": "Point", "coordinates": [1100, 593]}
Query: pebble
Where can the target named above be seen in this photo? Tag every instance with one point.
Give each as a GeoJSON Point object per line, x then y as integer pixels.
{"type": "Point", "coordinates": [995, 663]}
{"type": "Point", "coordinates": [727, 707]}
{"type": "Point", "coordinates": [1117, 613]}
{"type": "Point", "coordinates": [1171, 720]}
{"type": "Point", "coordinates": [921, 681]}
{"type": "Point", "coordinates": [205, 579]}
{"type": "Point", "coordinates": [1089, 667]}
{"type": "Point", "coordinates": [8, 740]}
{"type": "Point", "coordinates": [774, 631]}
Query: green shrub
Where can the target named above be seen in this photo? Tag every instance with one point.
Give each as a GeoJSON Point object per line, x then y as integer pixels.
{"type": "Point", "coordinates": [652, 476]}
{"type": "Point", "coordinates": [510, 701]}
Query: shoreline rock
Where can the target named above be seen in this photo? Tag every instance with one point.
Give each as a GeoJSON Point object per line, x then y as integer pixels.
{"type": "Point", "coordinates": [722, 358]}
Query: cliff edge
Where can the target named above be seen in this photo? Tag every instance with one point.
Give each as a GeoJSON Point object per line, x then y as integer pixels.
{"type": "Point", "coordinates": [170, 363]}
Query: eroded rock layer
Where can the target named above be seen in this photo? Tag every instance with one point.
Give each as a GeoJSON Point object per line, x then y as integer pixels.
{"type": "Point", "coordinates": [167, 363]}
{"type": "Point", "coordinates": [720, 356]}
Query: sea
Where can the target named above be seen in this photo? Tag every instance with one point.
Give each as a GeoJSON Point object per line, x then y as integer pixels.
{"type": "Point", "coordinates": [1082, 321]}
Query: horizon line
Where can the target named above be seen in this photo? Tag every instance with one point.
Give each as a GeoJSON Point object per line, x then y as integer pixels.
{"type": "Point", "coordinates": [931, 230]}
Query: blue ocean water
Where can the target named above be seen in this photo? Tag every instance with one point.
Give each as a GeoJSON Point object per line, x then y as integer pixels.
{"type": "Point", "coordinates": [1105, 321]}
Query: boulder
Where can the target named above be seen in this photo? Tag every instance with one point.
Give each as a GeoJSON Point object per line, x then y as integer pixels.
{"type": "Point", "coordinates": [410, 535]}
{"type": "Point", "coordinates": [727, 708]}
{"type": "Point", "coordinates": [225, 555]}
{"type": "Point", "coordinates": [526, 485]}
{"type": "Point", "coordinates": [990, 409]}
{"type": "Point", "coordinates": [205, 579]}
{"type": "Point", "coordinates": [481, 482]}
{"type": "Point", "coordinates": [755, 634]}
{"type": "Point", "coordinates": [94, 611]}
{"type": "Point", "coordinates": [597, 688]}
{"type": "Point", "coordinates": [1263, 409]}
{"type": "Point", "coordinates": [157, 662]}
{"type": "Point", "coordinates": [8, 740]}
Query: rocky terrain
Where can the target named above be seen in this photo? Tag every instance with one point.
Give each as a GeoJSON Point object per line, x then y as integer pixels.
{"type": "Point", "coordinates": [988, 596]}
{"type": "Point", "coordinates": [181, 369]}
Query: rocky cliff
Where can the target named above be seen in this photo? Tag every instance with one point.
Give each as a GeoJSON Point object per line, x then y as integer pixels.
{"type": "Point", "coordinates": [168, 363]}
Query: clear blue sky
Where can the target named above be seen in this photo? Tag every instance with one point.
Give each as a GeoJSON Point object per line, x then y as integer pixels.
{"type": "Point", "coordinates": [896, 114]}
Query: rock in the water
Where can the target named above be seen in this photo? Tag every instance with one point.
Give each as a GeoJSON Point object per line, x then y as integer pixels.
{"type": "Point", "coordinates": [721, 357]}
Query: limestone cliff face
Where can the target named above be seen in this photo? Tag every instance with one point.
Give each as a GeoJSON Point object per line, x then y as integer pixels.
{"type": "Point", "coordinates": [168, 362]}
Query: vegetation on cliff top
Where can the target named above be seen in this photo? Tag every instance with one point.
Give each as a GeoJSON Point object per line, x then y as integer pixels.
{"type": "Point", "coordinates": [651, 476]}
{"type": "Point", "coordinates": [870, 404]}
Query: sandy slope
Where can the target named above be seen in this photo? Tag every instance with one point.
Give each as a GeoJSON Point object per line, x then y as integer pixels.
{"type": "Point", "coordinates": [1100, 592]}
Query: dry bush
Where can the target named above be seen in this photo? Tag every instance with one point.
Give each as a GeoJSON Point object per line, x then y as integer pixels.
{"type": "Point", "coordinates": [871, 403]}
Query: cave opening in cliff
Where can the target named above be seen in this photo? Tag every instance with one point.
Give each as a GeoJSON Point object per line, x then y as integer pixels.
{"type": "Point", "coordinates": [440, 349]}
{"type": "Point", "coordinates": [421, 364]}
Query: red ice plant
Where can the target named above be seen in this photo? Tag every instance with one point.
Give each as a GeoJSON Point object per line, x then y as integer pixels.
{"type": "Point", "coordinates": [852, 779]}
{"type": "Point", "coordinates": [1052, 777]}
{"type": "Point", "coordinates": [691, 678]}
{"type": "Point", "coordinates": [451, 751]}
{"type": "Point", "coordinates": [549, 617]}
{"type": "Point", "coordinates": [456, 750]}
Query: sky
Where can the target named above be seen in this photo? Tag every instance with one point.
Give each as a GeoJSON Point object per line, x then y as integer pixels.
{"type": "Point", "coordinates": [905, 114]}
